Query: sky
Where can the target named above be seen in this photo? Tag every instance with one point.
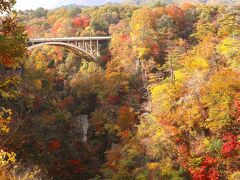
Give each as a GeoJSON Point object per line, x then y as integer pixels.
{"type": "Point", "coordinates": [50, 4]}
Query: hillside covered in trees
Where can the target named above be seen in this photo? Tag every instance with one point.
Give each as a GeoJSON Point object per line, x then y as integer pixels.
{"type": "Point", "coordinates": [162, 101]}
{"type": "Point", "coordinates": [166, 2]}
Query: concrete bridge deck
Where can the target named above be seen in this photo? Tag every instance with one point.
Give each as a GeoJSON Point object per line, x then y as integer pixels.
{"type": "Point", "coordinates": [94, 38]}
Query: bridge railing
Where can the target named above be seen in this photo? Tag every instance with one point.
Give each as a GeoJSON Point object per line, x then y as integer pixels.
{"type": "Point", "coordinates": [95, 38]}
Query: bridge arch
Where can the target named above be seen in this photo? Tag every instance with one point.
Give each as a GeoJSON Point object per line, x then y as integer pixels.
{"type": "Point", "coordinates": [79, 51]}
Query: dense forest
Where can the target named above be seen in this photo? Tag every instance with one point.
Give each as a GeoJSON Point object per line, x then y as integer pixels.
{"type": "Point", "coordinates": [162, 101]}
{"type": "Point", "coordinates": [152, 2]}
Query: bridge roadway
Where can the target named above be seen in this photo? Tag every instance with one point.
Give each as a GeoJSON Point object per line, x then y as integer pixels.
{"type": "Point", "coordinates": [66, 39]}
{"type": "Point", "coordinates": [87, 47]}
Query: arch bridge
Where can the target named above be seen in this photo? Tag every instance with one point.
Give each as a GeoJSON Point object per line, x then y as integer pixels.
{"type": "Point", "coordinates": [86, 47]}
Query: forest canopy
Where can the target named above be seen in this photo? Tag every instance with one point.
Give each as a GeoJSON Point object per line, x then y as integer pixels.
{"type": "Point", "coordinates": [162, 101]}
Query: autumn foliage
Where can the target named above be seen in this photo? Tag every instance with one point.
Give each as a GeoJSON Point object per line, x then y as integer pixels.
{"type": "Point", "coordinates": [81, 22]}
{"type": "Point", "coordinates": [54, 145]}
{"type": "Point", "coordinates": [160, 102]}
